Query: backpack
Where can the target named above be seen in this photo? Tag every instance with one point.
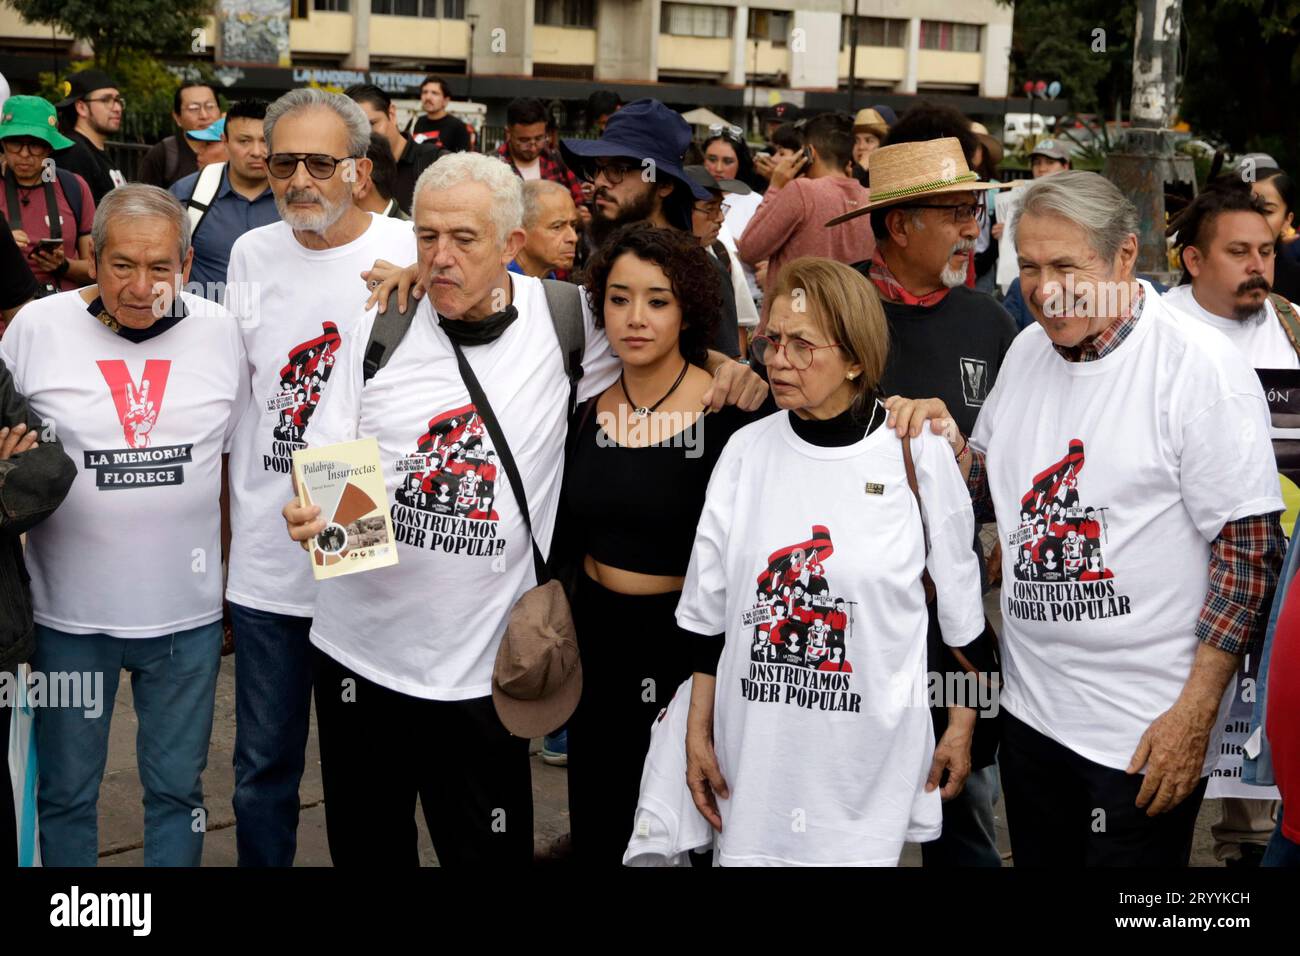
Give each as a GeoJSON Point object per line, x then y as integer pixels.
{"type": "Point", "coordinates": [562, 300]}
{"type": "Point", "coordinates": [206, 188]}
{"type": "Point", "coordinates": [68, 182]}
{"type": "Point", "coordinates": [172, 164]}
{"type": "Point", "coordinates": [1287, 316]}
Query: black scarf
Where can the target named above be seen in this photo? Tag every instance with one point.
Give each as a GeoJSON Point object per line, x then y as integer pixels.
{"type": "Point", "coordinates": [481, 332]}
{"type": "Point", "coordinates": [96, 308]}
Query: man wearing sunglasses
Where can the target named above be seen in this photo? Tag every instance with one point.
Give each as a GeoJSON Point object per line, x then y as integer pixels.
{"type": "Point", "coordinates": [95, 108]}
{"type": "Point", "coordinates": [293, 286]}
{"type": "Point", "coordinates": [926, 208]}
{"type": "Point", "coordinates": [636, 173]}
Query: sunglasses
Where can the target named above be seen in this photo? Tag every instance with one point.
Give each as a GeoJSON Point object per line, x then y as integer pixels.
{"type": "Point", "coordinates": [319, 165]}
{"type": "Point", "coordinates": [726, 129]}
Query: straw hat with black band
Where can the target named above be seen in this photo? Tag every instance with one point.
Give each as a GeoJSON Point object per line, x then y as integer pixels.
{"type": "Point", "coordinates": [907, 171]}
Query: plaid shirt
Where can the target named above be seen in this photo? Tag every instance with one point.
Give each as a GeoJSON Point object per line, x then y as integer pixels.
{"type": "Point", "coordinates": [550, 168]}
{"type": "Point", "coordinates": [1245, 558]}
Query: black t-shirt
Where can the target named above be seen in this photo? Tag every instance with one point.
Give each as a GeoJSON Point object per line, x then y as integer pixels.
{"type": "Point", "coordinates": [637, 508]}
{"type": "Point", "coordinates": [413, 161]}
{"type": "Point", "coordinates": [952, 351]}
{"type": "Point", "coordinates": [1286, 276]}
{"type": "Point", "coordinates": [153, 168]}
{"type": "Point", "coordinates": [448, 132]}
{"type": "Point", "coordinates": [90, 163]}
{"type": "Point", "coordinates": [17, 284]}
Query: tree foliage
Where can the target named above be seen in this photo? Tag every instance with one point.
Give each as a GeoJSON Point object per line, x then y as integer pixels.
{"type": "Point", "coordinates": [117, 27]}
{"type": "Point", "coordinates": [1239, 65]}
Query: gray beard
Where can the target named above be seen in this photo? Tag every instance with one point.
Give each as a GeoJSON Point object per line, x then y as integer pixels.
{"type": "Point", "coordinates": [951, 278]}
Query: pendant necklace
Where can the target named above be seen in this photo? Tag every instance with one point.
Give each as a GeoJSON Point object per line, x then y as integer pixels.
{"type": "Point", "coordinates": [640, 411]}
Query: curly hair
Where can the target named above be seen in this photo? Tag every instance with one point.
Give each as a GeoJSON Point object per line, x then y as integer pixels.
{"type": "Point", "coordinates": [695, 280]}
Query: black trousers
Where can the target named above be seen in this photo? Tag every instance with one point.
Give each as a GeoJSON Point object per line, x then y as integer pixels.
{"type": "Point", "coordinates": [633, 659]}
{"type": "Point", "coordinates": [380, 749]}
{"type": "Point", "coordinates": [1066, 811]}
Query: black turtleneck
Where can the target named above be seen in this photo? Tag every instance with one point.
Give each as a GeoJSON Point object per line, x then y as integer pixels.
{"type": "Point", "coordinates": [847, 428]}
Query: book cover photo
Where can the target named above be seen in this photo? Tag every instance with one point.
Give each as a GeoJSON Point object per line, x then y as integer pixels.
{"type": "Point", "coordinates": [347, 482]}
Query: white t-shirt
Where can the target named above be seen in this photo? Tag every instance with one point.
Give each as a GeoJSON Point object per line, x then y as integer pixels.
{"type": "Point", "coordinates": [135, 548]}
{"type": "Point", "coordinates": [746, 311]}
{"type": "Point", "coordinates": [820, 722]}
{"type": "Point", "coordinates": [1260, 338]}
{"type": "Point", "coordinates": [667, 826]}
{"type": "Point", "coordinates": [740, 209]}
{"type": "Point", "coordinates": [297, 308]}
{"type": "Point", "coordinates": [1128, 468]}
{"type": "Point", "coordinates": [429, 625]}
{"type": "Point", "coordinates": [531, 170]}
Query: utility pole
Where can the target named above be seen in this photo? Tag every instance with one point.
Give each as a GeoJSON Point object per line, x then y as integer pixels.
{"type": "Point", "coordinates": [1145, 160]}
{"type": "Point", "coordinates": [853, 57]}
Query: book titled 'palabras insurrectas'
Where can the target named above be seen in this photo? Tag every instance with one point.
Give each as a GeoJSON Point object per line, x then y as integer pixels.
{"type": "Point", "coordinates": [346, 480]}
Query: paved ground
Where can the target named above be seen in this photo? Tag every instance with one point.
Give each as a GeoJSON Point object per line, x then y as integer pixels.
{"type": "Point", "coordinates": [121, 813]}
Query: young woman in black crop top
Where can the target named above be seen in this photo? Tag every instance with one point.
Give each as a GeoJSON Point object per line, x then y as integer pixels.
{"type": "Point", "coordinates": [635, 477]}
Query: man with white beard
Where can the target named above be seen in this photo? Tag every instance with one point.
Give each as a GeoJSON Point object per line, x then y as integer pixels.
{"type": "Point", "coordinates": [293, 285]}
{"type": "Point", "coordinates": [926, 208]}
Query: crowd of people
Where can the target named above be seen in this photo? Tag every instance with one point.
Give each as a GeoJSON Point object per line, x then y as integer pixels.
{"type": "Point", "coordinates": [733, 673]}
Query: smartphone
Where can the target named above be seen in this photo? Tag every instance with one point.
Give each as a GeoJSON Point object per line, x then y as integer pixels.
{"type": "Point", "coordinates": [49, 245]}
{"type": "Point", "coordinates": [807, 162]}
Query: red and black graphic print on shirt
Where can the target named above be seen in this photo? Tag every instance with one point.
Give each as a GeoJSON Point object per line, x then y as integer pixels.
{"type": "Point", "coordinates": [302, 380]}
{"type": "Point", "coordinates": [799, 652]}
{"type": "Point", "coordinates": [138, 405]}
{"type": "Point", "coordinates": [1058, 550]}
{"type": "Point", "coordinates": [446, 498]}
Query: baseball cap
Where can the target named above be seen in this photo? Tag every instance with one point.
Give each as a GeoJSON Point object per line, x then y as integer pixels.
{"type": "Point", "coordinates": [700, 176]}
{"type": "Point", "coordinates": [209, 134]}
{"type": "Point", "coordinates": [82, 84]}
{"type": "Point", "coordinates": [1052, 149]}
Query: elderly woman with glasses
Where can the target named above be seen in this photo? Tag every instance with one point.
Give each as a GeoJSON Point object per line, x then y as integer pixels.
{"type": "Point", "coordinates": [811, 743]}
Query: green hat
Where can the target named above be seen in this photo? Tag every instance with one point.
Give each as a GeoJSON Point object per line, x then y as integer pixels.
{"type": "Point", "coordinates": [31, 116]}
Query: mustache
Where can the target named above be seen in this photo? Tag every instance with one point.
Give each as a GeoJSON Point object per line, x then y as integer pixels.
{"type": "Point", "coordinates": [1254, 282]}
{"type": "Point", "coordinates": [962, 246]}
{"type": "Point", "coordinates": [302, 195]}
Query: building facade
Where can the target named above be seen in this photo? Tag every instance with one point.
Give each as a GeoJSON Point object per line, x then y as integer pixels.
{"type": "Point", "coordinates": [903, 46]}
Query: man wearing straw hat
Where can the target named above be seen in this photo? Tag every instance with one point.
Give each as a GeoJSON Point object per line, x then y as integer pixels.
{"type": "Point", "coordinates": [946, 339]}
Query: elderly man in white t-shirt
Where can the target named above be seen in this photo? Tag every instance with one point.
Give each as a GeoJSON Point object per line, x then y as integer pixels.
{"type": "Point", "coordinates": [403, 655]}
{"type": "Point", "coordinates": [294, 286]}
{"type": "Point", "coordinates": [1115, 684]}
{"type": "Point", "coordinates": [1228, 251]}
{"type": "Point", "coordinates": [144, 386]}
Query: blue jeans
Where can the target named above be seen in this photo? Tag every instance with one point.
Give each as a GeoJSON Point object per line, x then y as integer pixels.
{"type": "Point", "coordinates": [1281, 851]}
{"type": "Point", "coordinates": [173, 682]}
{"type": "Point", "coordinates": [969, 837]}
{"type": "Point", "coordinates": [272, 712]}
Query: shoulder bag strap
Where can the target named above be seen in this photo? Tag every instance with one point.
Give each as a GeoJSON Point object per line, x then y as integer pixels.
{"type": "Point", "coordinates": [484, 409]}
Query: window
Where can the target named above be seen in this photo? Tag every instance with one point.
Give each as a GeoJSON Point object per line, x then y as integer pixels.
{"type": "Point", "coordinates": [875, 31]}
{"type": "Point", "coordinates": [396, 8]}
{"type": "Point", "coordinates": [334, 6]}
{"type": "Point", "coordinates": [771, 25]}
{"type": "Point", "coordinates": [694, 20]}
{"type": "Point", "coordinates": [954, 37]}
{"type": "Point", "coordinates": [453, 9]}
{"type": "Point", "coordinates": [565, 13]}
